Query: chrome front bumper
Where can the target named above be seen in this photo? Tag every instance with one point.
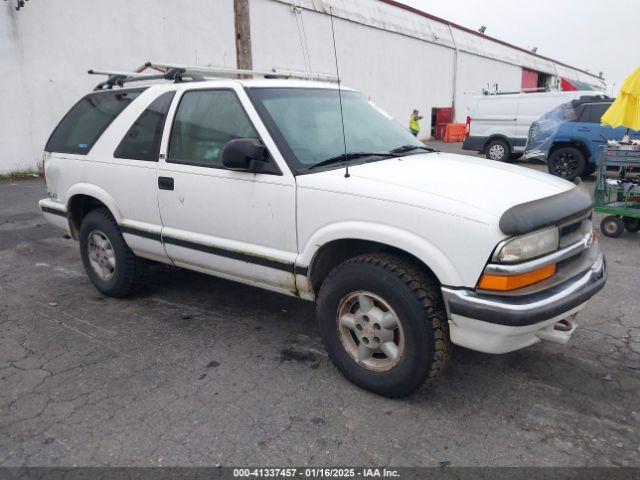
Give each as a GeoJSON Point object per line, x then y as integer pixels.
{"type": "Point", "coordinates": [498, 324]}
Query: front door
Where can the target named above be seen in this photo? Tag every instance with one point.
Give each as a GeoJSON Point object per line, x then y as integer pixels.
{"type": "Point", "coordinates": [238, 225]}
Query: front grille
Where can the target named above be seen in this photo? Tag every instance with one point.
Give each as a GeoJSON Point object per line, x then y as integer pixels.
{"type": "Point", "coordinates": [574, 231]}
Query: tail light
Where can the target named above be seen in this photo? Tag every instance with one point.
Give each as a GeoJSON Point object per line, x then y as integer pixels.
{"type": "Point", "coordinates": [43, 172]}
{"type": "Point", "coordinates": [467, 127]}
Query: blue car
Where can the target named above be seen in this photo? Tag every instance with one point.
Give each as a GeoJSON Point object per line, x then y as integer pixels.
{"type": "Point", "coordinates": [568, 137]}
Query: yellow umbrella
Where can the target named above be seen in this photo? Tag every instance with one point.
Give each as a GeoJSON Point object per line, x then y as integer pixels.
{"type": "Point", "coordinates": [625, 111]}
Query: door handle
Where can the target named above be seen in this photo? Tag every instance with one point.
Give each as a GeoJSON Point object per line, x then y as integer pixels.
{"type": "Point", "coordinates": [583, 129]}
{"type": "Point", "coordinates": [165, 183]}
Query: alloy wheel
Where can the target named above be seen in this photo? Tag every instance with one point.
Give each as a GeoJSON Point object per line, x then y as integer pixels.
{"type": "Point", "coordinates": [370, 331]}
{"type": "Point", "coordinates": [565, 164]}
{"type": "Point", "coordinates": [496, 152]}
{"type": "Point", "coordinates": [102, 256]}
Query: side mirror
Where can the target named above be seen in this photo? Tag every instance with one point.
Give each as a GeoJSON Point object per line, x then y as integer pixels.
{"type": "Point", "coordinates": [244, 154]}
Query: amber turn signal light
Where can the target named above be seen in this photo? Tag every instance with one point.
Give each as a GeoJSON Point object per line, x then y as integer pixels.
{"type": "Point", "coordinates": [513, 282]}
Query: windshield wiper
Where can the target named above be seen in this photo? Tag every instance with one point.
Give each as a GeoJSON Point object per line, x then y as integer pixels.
{"type": "Point", "coordinates": [349, 156]}
{"type": "Point", "coordinates": [408, 148]}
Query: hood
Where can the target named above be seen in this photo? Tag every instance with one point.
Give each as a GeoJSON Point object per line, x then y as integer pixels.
{"type": "Point", "coordinates": [454, 184]}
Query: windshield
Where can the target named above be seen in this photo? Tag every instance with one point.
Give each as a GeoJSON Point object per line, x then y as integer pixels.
{"type": "Point", "coordinates": [308, 120]}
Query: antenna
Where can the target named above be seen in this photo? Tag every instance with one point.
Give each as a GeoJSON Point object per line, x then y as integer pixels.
{"type": "Point", "coordinates": [344, 136]}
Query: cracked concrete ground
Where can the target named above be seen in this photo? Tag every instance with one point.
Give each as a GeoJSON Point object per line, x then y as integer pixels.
{"type": "Point", "coordinates": [202, 371]}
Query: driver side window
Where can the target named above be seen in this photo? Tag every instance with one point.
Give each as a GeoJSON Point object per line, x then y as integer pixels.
{"type": "Point", "coordinates": [204, 122]}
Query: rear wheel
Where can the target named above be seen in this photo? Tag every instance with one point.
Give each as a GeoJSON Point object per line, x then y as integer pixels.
{"type": "Point", "coordinates": [109, 262]}
{"type": "Point", "coordinates": [612, 226]}
{"type": "Point", "coordinates": [631, 224]}
{"type": "Point", "coordinates": [567, 162]}
{"type": "Point", "coordinates": [497, 150]}
{"type": "Point", "coordinates": [383, 323]}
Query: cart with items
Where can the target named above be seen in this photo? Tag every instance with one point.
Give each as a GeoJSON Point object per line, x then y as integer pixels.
{"type": "Point", "coordinates": [618, 189]}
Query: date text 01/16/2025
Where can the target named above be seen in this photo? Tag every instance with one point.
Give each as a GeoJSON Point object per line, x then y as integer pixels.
{"type": "Point", "coordinates": [315, 472]}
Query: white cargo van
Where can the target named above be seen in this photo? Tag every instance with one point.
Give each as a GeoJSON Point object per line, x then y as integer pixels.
{"type": "Point", "coordinates": [498, 125]}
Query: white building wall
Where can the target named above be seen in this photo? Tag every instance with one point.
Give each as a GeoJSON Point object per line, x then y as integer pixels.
{"type": "Point", "coordinates": [399, 59]}
{"type": "Point", "coordinates": [476, 73]}
{"type": "Point", "coordinates": [47, 47]}
{"type": "Point", "coordinates": [397, 72]}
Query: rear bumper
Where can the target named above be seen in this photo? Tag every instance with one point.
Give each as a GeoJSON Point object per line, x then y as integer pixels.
{"type": "Point", "coordinates": [55, 213]}
{"type": "Point", "coordinates": [495, 324]}
{"type": "Point", "coordinates": [474, 143]}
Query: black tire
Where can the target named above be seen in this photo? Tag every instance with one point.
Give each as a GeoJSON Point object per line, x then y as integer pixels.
{"type": "Point", "coordinates": [515, 156]}
{"type": "Point", "coordinates": [612, 226]}
{"type": "Point", "coordinates": [497, 150]}
{"type": "Point", "coordinates": [631, 224]}
{"type": "Point", "coordinates": [130, 272]}
{"type": "Point", "coordinates": [567, 163]}
{"type": "Point", "coordinates": [416, 299]}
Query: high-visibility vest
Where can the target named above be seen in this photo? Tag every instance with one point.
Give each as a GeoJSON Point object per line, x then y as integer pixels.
{"type": "Point", "coordinates": [414, 126]}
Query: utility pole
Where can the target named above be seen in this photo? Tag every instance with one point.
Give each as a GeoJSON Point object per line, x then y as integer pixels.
{"type": "Point", "coordinates": [243, 34]}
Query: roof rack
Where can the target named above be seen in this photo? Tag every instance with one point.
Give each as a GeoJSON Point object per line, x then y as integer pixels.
{"type": "Point", "coordinates": [180, 73]}
{"type": "Point", "coordinates": [221, 72]}
{"type": "Point", "coordinates": [512, 92]}
{"type": "Point", "coordinates": [115, 78]}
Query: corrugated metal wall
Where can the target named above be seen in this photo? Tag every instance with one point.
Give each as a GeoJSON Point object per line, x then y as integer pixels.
{"type": "Point", "coordinates": [399, 59]}
{"type": "Point", "coordinates": [396, 72]}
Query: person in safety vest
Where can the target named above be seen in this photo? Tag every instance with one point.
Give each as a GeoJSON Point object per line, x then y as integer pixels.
{"type": "Point", "coordinates": [414, 122]}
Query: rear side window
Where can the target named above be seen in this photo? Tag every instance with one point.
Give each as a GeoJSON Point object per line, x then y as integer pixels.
{"type": "Point", "coordinates": [597, 110]}
{"type": "Point", "coordinates": [591, 113]}
{"type": "Point", "coordinates": [205, 121]}
{"type": "Point", "coordinates": [142, 141]}
{"type": "Point", "coordinates": [81, 127]}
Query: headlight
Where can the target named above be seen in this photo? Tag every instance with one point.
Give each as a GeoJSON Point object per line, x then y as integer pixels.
{"type": "Point", "coordinates": [529, 246]}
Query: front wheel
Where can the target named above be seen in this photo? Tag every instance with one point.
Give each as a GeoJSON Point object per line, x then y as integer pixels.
{"type": "Point", "coordinates": [498, 150]}
{"type": "Point", "coordinates": [567, 163]}
{"type": "Point", "coordinates": [383, 323]}
{"type": "Point", "coordinates": [109, 262]}
{"type": "Point", "coordinates": [612, 226]}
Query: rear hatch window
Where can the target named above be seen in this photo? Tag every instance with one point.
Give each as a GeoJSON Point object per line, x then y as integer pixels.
{"type": "Point", "coordinates": [81, 127]}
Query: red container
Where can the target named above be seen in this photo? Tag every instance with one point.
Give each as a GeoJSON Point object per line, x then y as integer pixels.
{"type": "Point", "coordinates": [454, 132]}
{"type": "Point", "coordinates": [443, 115]}
{"type": "Point", "coordinates": [440, 130]}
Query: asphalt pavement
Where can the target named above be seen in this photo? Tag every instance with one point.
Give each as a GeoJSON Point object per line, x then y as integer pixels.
{"type": "Point", "coordinates": [201, 371]}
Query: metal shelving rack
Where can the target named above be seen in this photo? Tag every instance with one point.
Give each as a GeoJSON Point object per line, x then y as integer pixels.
{"type": "Point", "coordinates": [618, 201]}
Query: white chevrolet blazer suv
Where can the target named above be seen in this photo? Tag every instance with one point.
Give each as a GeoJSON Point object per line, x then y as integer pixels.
{"type": "Point", "coordinates": [407, 252]}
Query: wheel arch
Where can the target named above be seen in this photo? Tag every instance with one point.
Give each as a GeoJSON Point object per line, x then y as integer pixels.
{"type": "Point", "coordinates": [579, 145]}
{"type": "Point", "coordinates": [497, 136]}
{"type": "Point", "coordinates": [83, 198]}
{"type": "Point", "coordinates": [336, 244]}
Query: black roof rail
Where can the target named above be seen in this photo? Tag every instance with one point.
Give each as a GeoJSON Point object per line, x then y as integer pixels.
{"type": "Point", "coordinates": [177, 75]}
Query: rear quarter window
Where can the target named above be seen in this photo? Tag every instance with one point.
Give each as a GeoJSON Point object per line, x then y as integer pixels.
{"type": "Point", "coordinates": [82, 126]}
{"type": "Point", "coordinates": [142, 141]}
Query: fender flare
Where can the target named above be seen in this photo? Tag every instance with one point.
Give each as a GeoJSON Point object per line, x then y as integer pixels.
{"type": "Point", "coordinates": [498, 136]}
{"type": "Point", "coordinates": [434, 258]}
{"type": "Point", "coordinates": [97, 193]}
